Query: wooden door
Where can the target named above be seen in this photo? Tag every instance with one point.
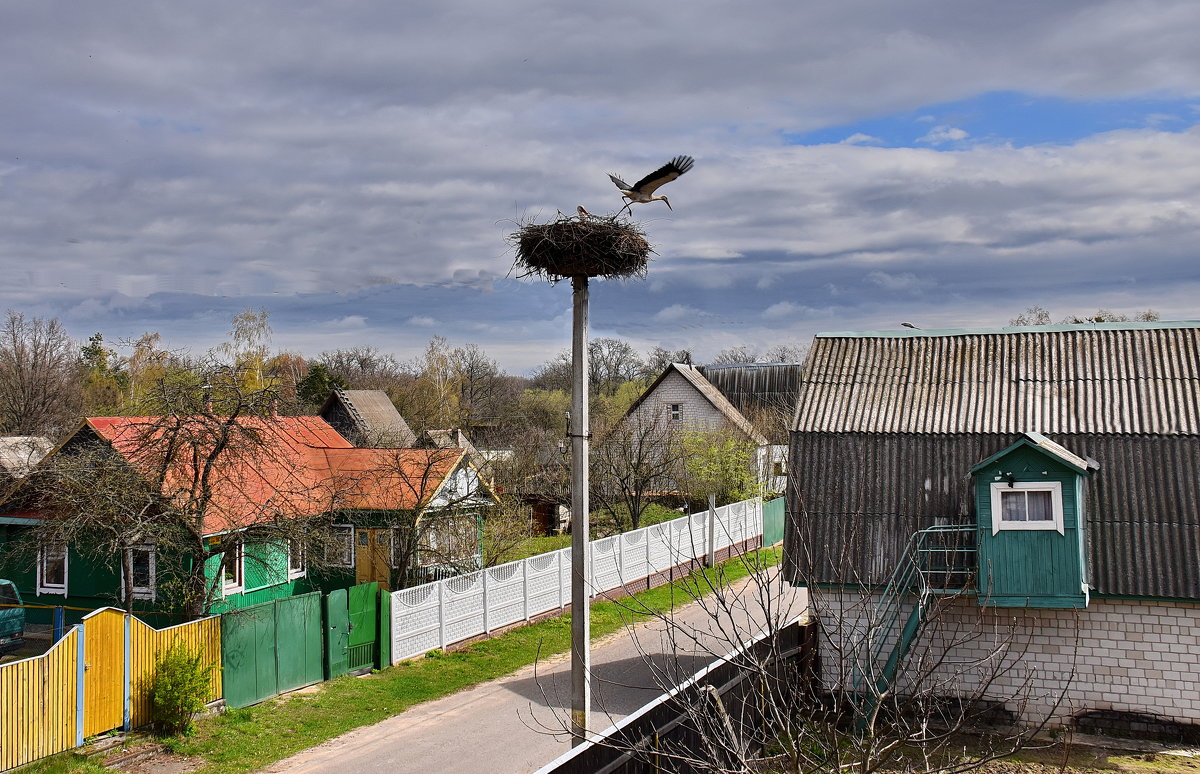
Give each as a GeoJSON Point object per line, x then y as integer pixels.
{"type": "Point", "coordinates": [373, 557]}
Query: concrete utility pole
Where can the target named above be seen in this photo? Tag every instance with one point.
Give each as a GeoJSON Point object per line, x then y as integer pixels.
{"type": "Point", "coordinates": [580, 431]}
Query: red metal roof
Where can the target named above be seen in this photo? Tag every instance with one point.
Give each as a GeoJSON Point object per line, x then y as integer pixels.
{"type": "Point", "coordinates": [282, 467]}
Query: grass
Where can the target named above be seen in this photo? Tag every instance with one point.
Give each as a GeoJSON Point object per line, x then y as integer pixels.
{"type": "Point", "coordinates": [537, 545]}
{"type": "Point", "coordinates": [246, 739]}
{"type": "Point", "coordinates": [602, 525]}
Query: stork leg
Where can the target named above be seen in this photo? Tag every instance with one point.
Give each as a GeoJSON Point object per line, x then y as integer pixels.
{"type": "Point", "coordinates": [627, 206]}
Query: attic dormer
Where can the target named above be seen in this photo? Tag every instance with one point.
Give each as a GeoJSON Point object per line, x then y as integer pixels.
{"type": "Point", "coordinates": [1029, 506]}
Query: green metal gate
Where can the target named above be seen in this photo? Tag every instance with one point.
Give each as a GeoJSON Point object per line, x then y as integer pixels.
{"type": "Point", "coordinates": [773, 517]}
{"type": "Point", "coordinates": [363, 642]}
{"type": "Point", "coordinates": [337, 634]}
{"type": "Point", "coordinates": [270, 648]}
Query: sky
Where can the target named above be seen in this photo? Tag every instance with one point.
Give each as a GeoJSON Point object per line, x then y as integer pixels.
{"type": "Point", "coordinates": [355, 168]}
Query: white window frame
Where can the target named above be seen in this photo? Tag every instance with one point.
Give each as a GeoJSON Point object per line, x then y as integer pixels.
{"type": "Point", "coordinates": [300, 570]}
{"type": "Point", "coordinates": [1056, 506]}
{"type": "Point", "coordinates": [142, 592]}
{"type": "Point", "coordinates": [675, 412]}
{"type": "Point", "coordinates": [239, 566]}
{"type": "Point", "coordinates": [343, 528]}
{"type": "Point", "coordinates": [42, 586]}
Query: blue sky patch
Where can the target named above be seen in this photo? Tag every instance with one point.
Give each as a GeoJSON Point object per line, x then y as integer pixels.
{"type": "Point", "coordinates": [1006, 117]}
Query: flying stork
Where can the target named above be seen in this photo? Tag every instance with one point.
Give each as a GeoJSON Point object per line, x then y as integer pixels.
{"type": "Point", "coordinates": [643, 191]}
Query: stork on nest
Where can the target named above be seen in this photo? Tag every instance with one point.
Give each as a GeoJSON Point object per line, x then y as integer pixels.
{"type": "Point", "coordinates": [584, 245]}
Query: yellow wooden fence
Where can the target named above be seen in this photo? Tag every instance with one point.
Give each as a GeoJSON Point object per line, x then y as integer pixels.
{"type": "Point", "coordinates": [95, 679]}
{"type": "Point", "coordinates": [146, 644]}
{"type": "Point", "coordinates": [40, 711]}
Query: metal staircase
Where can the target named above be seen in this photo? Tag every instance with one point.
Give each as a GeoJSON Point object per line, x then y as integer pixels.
{"type": "Point", "coordinates": [938, 561]}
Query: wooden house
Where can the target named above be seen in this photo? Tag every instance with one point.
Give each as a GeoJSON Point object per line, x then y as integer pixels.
{"type": "Point", "coordinates": [376, 515]}
{"type": "Point", "coordinates": [367, 418]}
{"type": "Point", "coordinates": [1043, 478]}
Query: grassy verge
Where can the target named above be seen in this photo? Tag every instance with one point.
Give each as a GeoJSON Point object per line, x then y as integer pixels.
{"type": "Point", "coordinates": [603, 525]}
{"type": "Point", "coordinates": [246, 739]}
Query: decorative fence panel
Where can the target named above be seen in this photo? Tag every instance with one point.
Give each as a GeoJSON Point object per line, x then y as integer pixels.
{"type": "Point", "coordinates": [442, 613]}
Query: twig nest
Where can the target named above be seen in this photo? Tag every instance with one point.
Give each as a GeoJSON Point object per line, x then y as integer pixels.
{"type": "Point", "coordinates": [583, 245]}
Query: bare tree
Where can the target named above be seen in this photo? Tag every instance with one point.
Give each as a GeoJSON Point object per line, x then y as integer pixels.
{"type": "Point", "coordinates": [97, 503]}
{"type": "Point", "coordinates": [1036, 315]}
{"type": "Point", "coordinates": [865, 704]}
{"type": "Point", "coordinates": [638, 459]}
{"type": "Point", "coordinates": [611, 363]}
{"type": "Point", "coordinates": [744, 353]}
{"type": "Point", "coordinates": [40, 377]}
{"type": "Point", "coordinates": [785, 353]}
{"type": "Point", "coordinates": [659, 358]}
{"type": "Point", "coordinates": [364, 368]}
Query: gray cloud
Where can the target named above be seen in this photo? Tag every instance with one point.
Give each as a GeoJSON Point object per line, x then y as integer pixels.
{"type": "Point", "coordinates": [162, 166]}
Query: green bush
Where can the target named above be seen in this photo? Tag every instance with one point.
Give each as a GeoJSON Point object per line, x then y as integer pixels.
{"type": "Point", "coordinates": [179, 690]}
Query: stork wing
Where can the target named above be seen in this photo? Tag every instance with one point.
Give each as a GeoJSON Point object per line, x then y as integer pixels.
{"type": "Point", "coordinates": [621, 184]}
{"type": "Point", "coordinates": [663, 175]}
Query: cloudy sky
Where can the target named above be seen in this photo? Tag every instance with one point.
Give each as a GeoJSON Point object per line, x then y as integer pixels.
{"type": "Point", "coordinates": [354, 167]}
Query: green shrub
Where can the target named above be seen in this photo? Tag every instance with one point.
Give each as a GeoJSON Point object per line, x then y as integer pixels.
{"type": "Point", "coordinates": [180, 689]}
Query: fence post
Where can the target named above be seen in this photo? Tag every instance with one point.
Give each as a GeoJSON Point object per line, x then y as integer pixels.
{"type": "Point", "coordinates": [442, 613]}
{"type": "Point", "coordinates": [525, 586]}
{"type": "Point", "coordinates": [486, 629]}
{"type": "Point", "coordinates": [127, 676]}
{"type": "Point", "coordinates": [80, 665]}
{"type": "Point", "coordinates": [59, 615]}
{"type": "Point", "coordinates": [711, 559]}
{"type": "Point", "coordinates": [561, 602]}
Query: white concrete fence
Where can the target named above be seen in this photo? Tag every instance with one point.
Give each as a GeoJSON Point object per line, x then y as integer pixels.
{"type": "Point", "coordinates": [444, 612]}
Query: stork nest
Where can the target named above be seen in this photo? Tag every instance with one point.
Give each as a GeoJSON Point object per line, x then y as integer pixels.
{"type": "Point", "coordinates": [583, 245]}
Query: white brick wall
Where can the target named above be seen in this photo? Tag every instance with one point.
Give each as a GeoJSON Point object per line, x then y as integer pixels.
{"type": "Point", "coordinates": [698, 413]}
{"type": "Point", "coordinates": [1128, 656]}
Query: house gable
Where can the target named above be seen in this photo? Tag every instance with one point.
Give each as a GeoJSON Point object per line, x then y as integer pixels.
{"type": "Point", "coordinates": [682, 394]}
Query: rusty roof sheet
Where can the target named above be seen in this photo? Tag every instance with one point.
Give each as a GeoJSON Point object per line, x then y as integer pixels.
{"type": "Point", "coordinates": [288, 467]}
{"type": "Point", "coordinates": [1101, 378]}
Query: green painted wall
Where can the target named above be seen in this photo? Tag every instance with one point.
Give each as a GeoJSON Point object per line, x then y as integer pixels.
{"type": "Point", "coordinates": [1031, 568]}
{"type": "Point", "coordinates": [93, 583]}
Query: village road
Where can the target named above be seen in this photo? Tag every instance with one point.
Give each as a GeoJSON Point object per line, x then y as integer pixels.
{"type": "Point", "coordinates": [515, 724]}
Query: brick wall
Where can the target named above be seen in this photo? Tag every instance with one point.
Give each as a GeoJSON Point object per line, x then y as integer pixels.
{"type": "Point", "coordinates": [1127, 656]}
{"type": "Point", "coordinates": [697, 411]}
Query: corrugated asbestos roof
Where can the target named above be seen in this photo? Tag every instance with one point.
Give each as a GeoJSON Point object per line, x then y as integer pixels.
{"type": "Point", "coordinates": [719, 402]}
{"type": "Point", "coordinates": [888, 426]}
{"type": "Point", "coordinates": [757, 385]}
{"type": "Point", "coordinates": [374, 417]}
{"type": "Point", "coordinates": [19, 453]}
{"type": "Point", "coordinates": [1101, 378]}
